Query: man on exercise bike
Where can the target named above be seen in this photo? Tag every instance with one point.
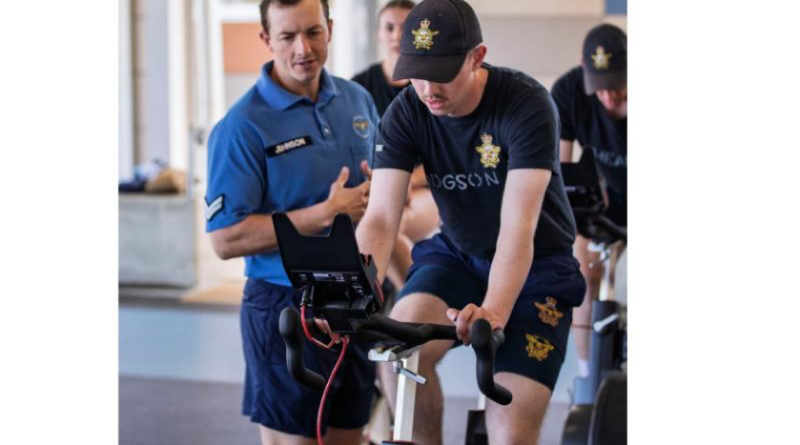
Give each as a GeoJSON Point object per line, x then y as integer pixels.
{"type": "Point", "coordinates": [592, 102]}
{"type": "Point", "coordinates": [488, 139]}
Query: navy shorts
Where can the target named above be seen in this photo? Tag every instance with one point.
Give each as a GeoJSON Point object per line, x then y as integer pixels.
{"type": "Point", "coordinates": [537, 331]}
{"type": "Point", "coordinates": [271, 397]}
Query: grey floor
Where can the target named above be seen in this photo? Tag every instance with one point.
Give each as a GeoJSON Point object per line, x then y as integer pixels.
{"type": "Point", "coordinates": [181, 373]}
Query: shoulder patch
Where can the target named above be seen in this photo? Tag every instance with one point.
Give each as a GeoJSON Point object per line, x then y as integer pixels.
{"type": "Point", "coordinates": [212, 208]}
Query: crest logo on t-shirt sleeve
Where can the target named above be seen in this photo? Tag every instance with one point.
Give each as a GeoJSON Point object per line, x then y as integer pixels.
{"type": "Point", "coordinates": [490, 154]}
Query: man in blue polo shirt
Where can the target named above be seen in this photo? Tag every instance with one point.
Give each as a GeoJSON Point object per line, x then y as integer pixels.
{"type": "Point", "coordinates": [299, 141]}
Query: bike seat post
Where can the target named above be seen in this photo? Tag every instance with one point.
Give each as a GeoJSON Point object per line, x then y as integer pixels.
{"type": "Point", "coordinates": [406, 397]}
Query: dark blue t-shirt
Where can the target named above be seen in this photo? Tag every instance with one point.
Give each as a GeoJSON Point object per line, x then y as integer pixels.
{"type": "Point", "coordinates": [467, 159]}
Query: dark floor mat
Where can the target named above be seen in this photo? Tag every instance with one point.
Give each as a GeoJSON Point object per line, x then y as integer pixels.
{"type": "Point", "coordinates": [156, 411]}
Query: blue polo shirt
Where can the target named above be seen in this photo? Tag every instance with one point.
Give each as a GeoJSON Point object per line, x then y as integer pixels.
{"type": "Point", "coordinates": [276, 152]}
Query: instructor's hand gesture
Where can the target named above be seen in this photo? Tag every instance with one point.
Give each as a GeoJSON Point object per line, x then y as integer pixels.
{"type": "Point", "coordinates": [352, 201]}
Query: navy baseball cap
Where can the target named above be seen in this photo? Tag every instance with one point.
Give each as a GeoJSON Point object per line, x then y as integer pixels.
{"type": "Point", "coordinates": [605, 59]}
{"type": "Point", "coordinates": [437, 35]}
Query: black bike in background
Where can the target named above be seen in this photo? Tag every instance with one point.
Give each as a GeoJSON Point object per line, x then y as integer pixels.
{"type": "Point", "coordinates": [598, 415]}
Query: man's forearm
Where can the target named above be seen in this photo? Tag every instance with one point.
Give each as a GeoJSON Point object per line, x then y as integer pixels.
{"type": "Point", "coordinates": [510, 268]}
{"type": "Point", "coordinates": [376, 236]}
{"type": "Point", "coordinates": [256, 233]}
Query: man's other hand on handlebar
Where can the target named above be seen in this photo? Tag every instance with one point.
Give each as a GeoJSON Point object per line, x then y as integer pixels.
{"type": "Point", "coordinates": [464, 318]}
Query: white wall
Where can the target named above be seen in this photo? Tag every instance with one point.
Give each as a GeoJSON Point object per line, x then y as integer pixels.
{"type": "Point", "coordinates": [160, 81]}
{"type": "Point", "coordinates": [517, 8]}
{"type": "Point", "coordinates": [126, 131]}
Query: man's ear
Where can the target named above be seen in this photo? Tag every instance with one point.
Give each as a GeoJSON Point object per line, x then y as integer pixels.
{"type": "Point", "coordinates": [330, 29]}
{"type": "Point", "coordinates": [265, 38]}
{"type": "Point", "coordinates": [478, 56]}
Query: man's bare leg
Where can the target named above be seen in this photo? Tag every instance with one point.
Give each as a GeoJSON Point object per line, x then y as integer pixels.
{"type": "Point", "coordinates": [582, 315]}
{"type": "Point", "coordinates": [333, 436]}
{"type": "Point", "coordinates": [428, 411]}
{"type": "Point", "coordinates": [520, 422]}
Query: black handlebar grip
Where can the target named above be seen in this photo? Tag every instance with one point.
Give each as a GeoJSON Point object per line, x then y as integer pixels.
{"type": "Point", "coordinates": [485, 343]}
{"type": "Point", "coordinates": [292, 333]}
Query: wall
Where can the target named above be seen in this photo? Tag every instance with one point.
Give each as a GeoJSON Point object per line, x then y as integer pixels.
{"type": "Point", "coordinates": [160, 81]}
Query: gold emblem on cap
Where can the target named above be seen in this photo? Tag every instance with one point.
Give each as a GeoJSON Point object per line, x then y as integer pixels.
{"type": "Point", "coordinates": [490, 154]}
{"type": "Point", "coordinates": [601, 58]}
{"type": "Point", "coordinates": [423, 37]}
{"type": "Point", "coordinates": [538, 347]}
{"type": "Point", "coordinates": [548, 312]}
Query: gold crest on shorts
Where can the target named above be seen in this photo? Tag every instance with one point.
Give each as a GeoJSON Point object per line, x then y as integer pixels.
{"type": "Point", "coordinates": [423, 37]}
{"type": "Point", "coordinates": [601, 58]}
{"type": "Point", "coordinates": [538, 347]}
{"type": "Point", "coordinates": [548, 312]}
{"type": "Point", "coordinates": [490, 154]}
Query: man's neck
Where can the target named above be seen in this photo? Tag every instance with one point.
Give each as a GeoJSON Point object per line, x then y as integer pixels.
{"type": "Point", "coordinates": [309, 90]}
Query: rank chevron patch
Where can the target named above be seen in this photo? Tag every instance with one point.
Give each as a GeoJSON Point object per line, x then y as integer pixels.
{"type": "Point", "coordinates": [214, 207]}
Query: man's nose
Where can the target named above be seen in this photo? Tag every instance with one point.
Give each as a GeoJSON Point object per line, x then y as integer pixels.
{"type": "Point", "coordinates": [301, 45]}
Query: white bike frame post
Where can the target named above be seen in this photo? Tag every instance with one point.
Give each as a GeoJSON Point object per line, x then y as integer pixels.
{"type": "Point", "coordinates": [406, 397]}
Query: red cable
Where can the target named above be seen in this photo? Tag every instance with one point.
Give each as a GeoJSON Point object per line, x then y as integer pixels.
{"type": "Point", "coordinates": [345, 340]}
{"type": "Point", "coordinates": [310, 337]}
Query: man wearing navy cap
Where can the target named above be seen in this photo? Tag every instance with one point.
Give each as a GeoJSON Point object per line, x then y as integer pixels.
{"type": "Point", "coordinates": [592, 101]}
{"type": "Point", "coordinates": [297, 142]}
{"type": "Point", "coordinates": [488, 139]}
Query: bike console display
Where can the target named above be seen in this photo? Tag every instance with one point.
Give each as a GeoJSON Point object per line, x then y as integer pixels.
{"type": "Point", "coordinates": [340, 282]}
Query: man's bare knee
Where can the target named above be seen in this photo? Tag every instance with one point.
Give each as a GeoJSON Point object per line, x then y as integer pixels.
{"type": "Point", "coordinates": [521, 421]}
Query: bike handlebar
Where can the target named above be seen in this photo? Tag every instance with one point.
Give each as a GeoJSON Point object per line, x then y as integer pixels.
{"type": "Point", "coordinates": [484, 342]}
{"type": "Point", "coordinates": [292, 333]}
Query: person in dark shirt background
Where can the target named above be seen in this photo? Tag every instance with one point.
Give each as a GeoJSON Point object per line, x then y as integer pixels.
{"type": "Point", "coordinates": [592, 102]}
{"type": "Point", "coordinates": [377, 79]}
{"type": "Point", "coordinates": [420, 217]}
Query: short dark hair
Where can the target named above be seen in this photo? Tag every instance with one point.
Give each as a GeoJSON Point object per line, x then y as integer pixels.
{"type": "Point", "coordinates": [404, 4]}
{"type": "Point", "coordinates": [264, 6]}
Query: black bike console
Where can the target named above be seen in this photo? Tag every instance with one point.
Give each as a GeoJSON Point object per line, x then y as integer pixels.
{"type": "Point", "coordinates": [341, 283]}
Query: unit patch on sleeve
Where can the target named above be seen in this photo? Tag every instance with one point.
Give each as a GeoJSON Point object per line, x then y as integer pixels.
{"type": "Point", "coordinates": [538, 347]}
{"type": "Point", "coordinates": [548, 312]}
{"type": "Point", "coordinates": [285, 147]}
{"type": "Point", "coordinates": [212, 208]}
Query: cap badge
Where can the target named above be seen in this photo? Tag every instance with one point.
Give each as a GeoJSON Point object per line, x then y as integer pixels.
{"type": "Point", "coordinates": [490, 154]}
{"type": "Point", "coordinates": [423, 37]}
{"type": "Point", "coordinates": [548, 312]}
{"type": "Point", "coordinates": [538, 347]}
{"type": "Point", "coordinates": [601, 58]}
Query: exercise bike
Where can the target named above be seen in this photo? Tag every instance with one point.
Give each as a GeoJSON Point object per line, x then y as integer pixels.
{"type": "Point", "coordinates": [340, 285]}
{"type": "Point", "coordinates": [598, 415]}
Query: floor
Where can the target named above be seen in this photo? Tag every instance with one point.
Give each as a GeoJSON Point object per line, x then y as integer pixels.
{"type": "Point", "coordinates": [181, 372]}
